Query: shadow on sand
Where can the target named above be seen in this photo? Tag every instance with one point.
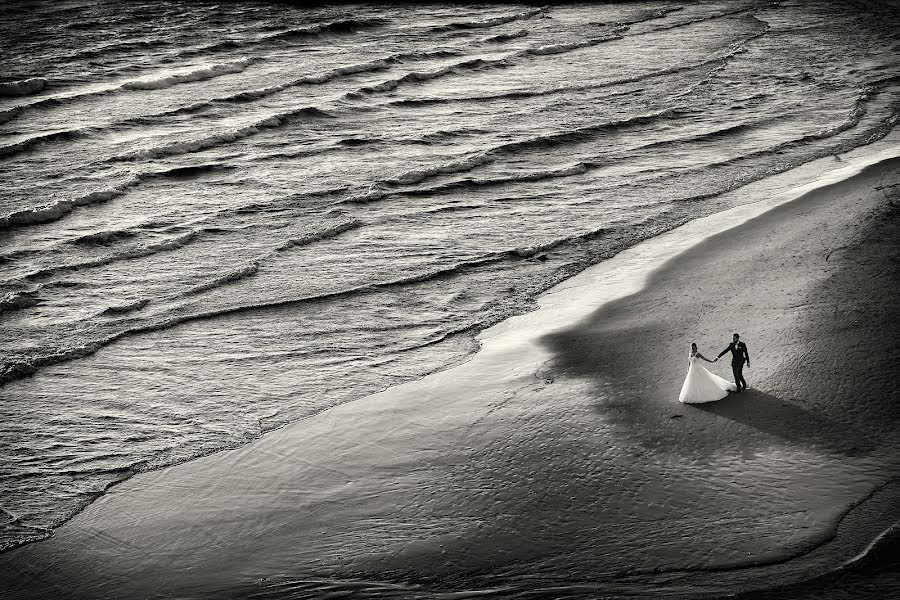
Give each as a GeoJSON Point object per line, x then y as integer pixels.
{"type": "Point", "coordinates": [770, 415]}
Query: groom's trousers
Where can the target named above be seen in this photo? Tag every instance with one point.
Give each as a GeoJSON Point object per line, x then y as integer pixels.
{"type": "Point", "coordinates": [738, 369]}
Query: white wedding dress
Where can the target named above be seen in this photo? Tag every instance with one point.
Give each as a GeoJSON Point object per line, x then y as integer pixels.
{"type": "Point", "coordinates": [702, 386]}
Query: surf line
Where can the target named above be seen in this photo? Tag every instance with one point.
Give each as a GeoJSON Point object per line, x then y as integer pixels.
{"type": "Point", "coordinates": [629, 271]}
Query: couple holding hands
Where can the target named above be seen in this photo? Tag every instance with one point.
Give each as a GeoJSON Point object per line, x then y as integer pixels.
{"type": "Point", "coordinates": [702, 386]}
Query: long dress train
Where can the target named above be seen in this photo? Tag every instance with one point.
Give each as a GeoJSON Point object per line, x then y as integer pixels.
{"type": "Point", "coordinates": [702, 386]}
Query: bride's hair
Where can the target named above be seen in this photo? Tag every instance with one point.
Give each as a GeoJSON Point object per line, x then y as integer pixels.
{"type": "Point", "coordinates": [693, 344]}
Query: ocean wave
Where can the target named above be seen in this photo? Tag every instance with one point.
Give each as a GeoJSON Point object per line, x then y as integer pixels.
{"type": "Point", "coordinates": [23, 87]}
{"type": "Point", "coordinates": [412, 102]}
{"type": "Point", "coordinates": [457, 166]}
{"type": "Point", "coordinates": [378, 192]}
{"type": "Point", "coordinates": [103, 238]}
{"type": "Point", "coordinates": [18, 300]}
{"type": "Point", "coordinates": [324, 77]}
{"type": "Point", "coordinates": [191, 76]}
{"type": "Point", "coordinates": [128, 470]}
{"type": "Point", "coordinates": [192, 170]}
{"type": "Point", "coordinates": [442, 135]}
{"type": "Point", "coordinates": [569, 46]}
{"type": "Point", "coordinates": [87, 23]}
{"type": "Point", "coordinates": [616, 33]}
{"type": "Point", "coordinates": [60, 208]}
{"type": "Point", "coordinates": [372, 66]}
{"type": "Point", "coordinates": [381, 189]}
{"type": "Point", "coordinates": [424, 55]}
{"type": "Point", "coordinates": [29, 143]}
{"type": "Point", "coordinates": [479, 64]}
{"type": "Point", "coordinates": [236, 275]}
{"type": "Point", "coordinates": [855, 114]}
{"type": "Point", "coordinates": [647, 15]}
{"type": "Point", "coordinates": [578, 168]}
{"type": "Point", "coordinates": [450, 208]}
{"type": "Point", "coordinates": [225, 137]}
{"type": "Point", "coordinates": [9, 114]}
{"type": "Point", "coordinates": [56, 210]}
{"type": "Point", "coordinates": [166, 245]}
{"type": "Point", "coordinates": [358, 141]}
{"type": "Point", "coordinates": [715, 134]}
{"type": "Point", "coordinates": [491, 22]}
{"type": "Point", "coordinates": [328, 232]}
{"type": "Point", "coordinates": [114, 47]}
{"type": "Point", "coordinates": [251, 269]}
{"type": "Point", "coordinates": [21, 368]}
{"type": "Point", "coordinates": [121, 309]}
{"type": "Point", "coordinates": [163, 246]}
{"type": "Point", "coordinates": [15, 533]}
{"type": "Point", "coordinates": [200, 74]}
{"type": "Point", "coordinates": [716, 60]}
{"type": "Point", "coordinates": [719, 15]}
{"type": "Point", "coordinates": [340, 26]}
{"type": "Point", "coordinates": [586, 131]}
{"type": "Point", "coordinates": [505, 37]}
{"type": "Point", "coordinates": [414, 76]}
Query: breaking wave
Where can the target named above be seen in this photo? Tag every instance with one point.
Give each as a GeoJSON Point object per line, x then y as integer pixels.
{"type": "Point", "coordinates": [197, 75]}
{"type": "Point", "coordinates": [121, 309]}
{"type": "Point", "coordinates": [340, 26]}
{"type": "Point", "coordinates": [492, 22]}
{"type": "Point", "coordinates": [56, 210]}
{"type": "Point", "coordinates": [242, 273]}
{"type": "Point", "coordinates": [17, 369]}
{"type": "Point", "coordinates": [505, 37]}
{"type": "Point", "coordinates": [413, 76]}
{"type": "Point", "coordinates": [157, 83]}
{"type": "Point", "coordinates": [225, 137]}
{"type": "Point", "coordinates": [18, 300]}
{"type": "Point", "coordinates": [23, 87]}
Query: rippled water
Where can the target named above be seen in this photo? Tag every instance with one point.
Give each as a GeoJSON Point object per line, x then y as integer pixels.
{"type": "Point", "coordinates": [220, 217]}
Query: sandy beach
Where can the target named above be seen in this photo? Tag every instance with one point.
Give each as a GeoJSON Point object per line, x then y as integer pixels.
{"type": "Point", "coordinates": [557, 460]}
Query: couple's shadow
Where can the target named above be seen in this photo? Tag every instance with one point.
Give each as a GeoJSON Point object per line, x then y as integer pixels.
{"type": "Point", "coordinates": [788, 421]}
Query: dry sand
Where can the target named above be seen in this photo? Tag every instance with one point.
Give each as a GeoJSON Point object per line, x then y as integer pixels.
{"type": "Point", "coordinates": [558, 460]}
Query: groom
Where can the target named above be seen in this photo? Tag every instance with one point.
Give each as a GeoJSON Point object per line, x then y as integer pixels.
{"type": "Point", "coordinates": [739, 356]}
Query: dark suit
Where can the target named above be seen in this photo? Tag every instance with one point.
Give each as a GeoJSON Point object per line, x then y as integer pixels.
{"type": "Point", "coordinates": [739, 356]}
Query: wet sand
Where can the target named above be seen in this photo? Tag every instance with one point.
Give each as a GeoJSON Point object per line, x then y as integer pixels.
{"type": "Point", "coordinates": [558, 460]}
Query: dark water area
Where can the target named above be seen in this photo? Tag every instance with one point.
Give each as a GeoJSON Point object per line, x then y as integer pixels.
{"type": "Point", "coordinates": [218, 218]}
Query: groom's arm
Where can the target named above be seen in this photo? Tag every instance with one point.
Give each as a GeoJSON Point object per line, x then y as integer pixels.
{"type": "Point", "coordinates": [747, 354]}
{"type": "Point", "coordinates": [722, 353]}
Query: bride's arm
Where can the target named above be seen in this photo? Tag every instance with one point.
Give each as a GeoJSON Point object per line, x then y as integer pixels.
{"type": "Point", "coordinates": [704, 358]}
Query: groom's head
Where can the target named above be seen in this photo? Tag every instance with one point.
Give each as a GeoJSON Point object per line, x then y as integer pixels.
{"type": "Point", "coordinates": [736, 337]}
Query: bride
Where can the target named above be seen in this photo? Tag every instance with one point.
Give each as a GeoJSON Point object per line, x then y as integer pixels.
{"type": "Point", "coordinates": [700, 385]}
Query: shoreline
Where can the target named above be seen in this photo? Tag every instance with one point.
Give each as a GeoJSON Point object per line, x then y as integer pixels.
{"type": "Point", "coordinates": [402, 458]}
